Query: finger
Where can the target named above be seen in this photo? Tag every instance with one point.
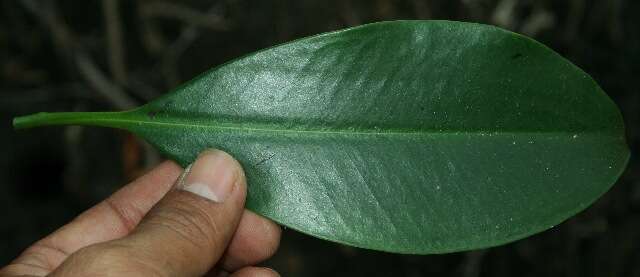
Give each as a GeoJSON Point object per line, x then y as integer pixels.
{"type": "Point", "coordinates": [255, 272]}
{"type": "Point", "coordinates": [256, 240]}
{"type": "Point", "coordinates": [111, 219]}
{"type": "Point", "coordinates": [190, 228]}
{"type": "Point", "coordinates": [185, 233]}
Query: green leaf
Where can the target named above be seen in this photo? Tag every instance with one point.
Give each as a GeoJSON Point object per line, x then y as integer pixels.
{"type": "Point", "coordinates": [406, 136]}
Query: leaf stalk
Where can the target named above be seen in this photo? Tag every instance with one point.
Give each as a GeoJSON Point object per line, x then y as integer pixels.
{"type": "Point", "coordinates": [103, 119]}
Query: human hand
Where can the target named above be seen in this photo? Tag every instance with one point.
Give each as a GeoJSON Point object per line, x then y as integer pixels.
{"type": "Point", "coordinates": [152, 227]}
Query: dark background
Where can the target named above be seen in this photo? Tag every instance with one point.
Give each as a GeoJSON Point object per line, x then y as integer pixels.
{"type": "Point", "coordinates": [112, 55]}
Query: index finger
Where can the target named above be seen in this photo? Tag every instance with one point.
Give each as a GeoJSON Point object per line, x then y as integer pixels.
{"type": "Point", "coordinates": [111, 219]}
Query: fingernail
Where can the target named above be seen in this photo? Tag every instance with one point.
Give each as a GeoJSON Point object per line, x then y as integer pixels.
{"type": "Point", "coordinates": [183, 176]}
{"type": "Point", "coordinates": [212, 176]}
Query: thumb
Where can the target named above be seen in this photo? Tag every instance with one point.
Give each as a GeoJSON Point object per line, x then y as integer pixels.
{"type": "Point", "coordinates": [187, 232]}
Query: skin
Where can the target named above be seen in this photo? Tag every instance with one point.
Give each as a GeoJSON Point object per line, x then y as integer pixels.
{"type": "Point", "coordinates": [154, 226]}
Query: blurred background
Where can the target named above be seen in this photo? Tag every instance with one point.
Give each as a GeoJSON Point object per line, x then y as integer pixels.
{"type": "Point", "coordinates": [112, 55]}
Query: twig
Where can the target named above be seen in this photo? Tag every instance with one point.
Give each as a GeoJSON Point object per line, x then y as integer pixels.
{"type": "Point", "coordinates": [575, 16]}
{"type": "Point", "coordinates": [615, 25]}
{"type": "Point", "coordinates": [152, 37]}
{"type": "Point", "coordinates": [168, 63]}
{"type": "Point", "coordinates": [141, 89]}
{"type": "Point", "coordinates": [189, 33]}
{"type": "Point", "coordinates": [114, 41]}
{"type": "Point", "coordinates": [101, 84]}
{"type": "Point", "coordinates": [69, 48]}
{"type": "Point", "coordinates": [538, 21]}
{"type": "Point", "coordinates": [349, 14]}
{"type": "Point", "coordinates": [475, 9]}
{"type": "Point", "coordinates": [46, 16]}
{"type": "Point", "coordinates": [186, 14]}
{"type": "Point", "coordinates": [422, 9]}
{"type": "Point", "coordinates": [11, 98]}
{"type": "Point", "coordinates": [504, 14]}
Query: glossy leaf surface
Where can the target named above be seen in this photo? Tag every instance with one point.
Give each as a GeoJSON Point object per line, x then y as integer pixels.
{"type": "Point", "coordinates": [406, 136]}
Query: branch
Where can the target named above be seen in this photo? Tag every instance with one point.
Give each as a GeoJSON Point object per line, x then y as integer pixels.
{"type": "Point", "coordinates": [102, 85]}
{"type": "Point", "coordinates": [186, 14]}
{"type": "Point", "coordinates": [114, 41]}
{"type": "Point", "coordinates": [67, 45]}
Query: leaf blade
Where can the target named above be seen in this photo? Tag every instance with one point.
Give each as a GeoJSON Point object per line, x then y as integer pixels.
{"type": "Point", "coordinates": [410, 137]}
